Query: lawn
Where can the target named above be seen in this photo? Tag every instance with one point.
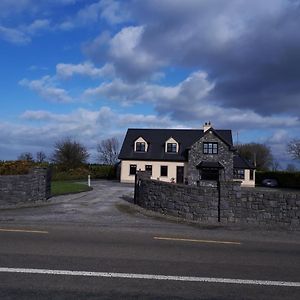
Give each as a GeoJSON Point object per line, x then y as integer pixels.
{"type": "Point", "coordinates": [68, 187]}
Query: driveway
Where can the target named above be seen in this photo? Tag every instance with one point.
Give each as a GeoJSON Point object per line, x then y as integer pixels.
{"type": "Point", "coordinates": [99, 206]}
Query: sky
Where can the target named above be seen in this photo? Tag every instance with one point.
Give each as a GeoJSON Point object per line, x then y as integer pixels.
{"type": "Point", "coordinates": [90, 69]}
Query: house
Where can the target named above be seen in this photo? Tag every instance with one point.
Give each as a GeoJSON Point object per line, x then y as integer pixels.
{"type": "Point", "coordinates": [184, 156]}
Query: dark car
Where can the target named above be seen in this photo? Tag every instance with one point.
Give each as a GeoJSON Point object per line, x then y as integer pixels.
{"type": "Point", "coordinates": [269, 182]}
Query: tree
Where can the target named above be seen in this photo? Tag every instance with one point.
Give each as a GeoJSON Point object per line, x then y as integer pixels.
{"type": "Point", "coordinates": [40, 156]}
{"type": "Point", "coordinates": [293, 148]}
{"type": "Point", "coordinates": [25, 156]}
{"type": "Point", "coordinates": [259, 154]}
{"type": "Point", "coordinates": [291, 168]}
{"type": "Point", "coordinates": [275, 165]}
{"type": "Point", "coordinates": [69, 154]}
{"type": "Point", "coordinates": [108, 151]}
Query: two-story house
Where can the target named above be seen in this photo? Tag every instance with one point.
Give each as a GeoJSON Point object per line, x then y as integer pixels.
{"type": "Point", "coordinates": [184, 156]}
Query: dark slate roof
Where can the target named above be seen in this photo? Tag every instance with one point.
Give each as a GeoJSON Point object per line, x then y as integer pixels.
{"type": "Point", "coordinates": [156, 139]}
{"type": "Point", "coordinates": [241, 163]}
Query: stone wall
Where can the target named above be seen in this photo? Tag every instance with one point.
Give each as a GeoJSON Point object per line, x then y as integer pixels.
{"type": "Point", "coordinates": [25, 190]}
{"type": "Point", "coordinates": [228, 203]}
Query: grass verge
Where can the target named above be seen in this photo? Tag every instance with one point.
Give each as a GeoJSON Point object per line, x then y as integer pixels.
{"type": "Point", "coordinates": [68, 187]}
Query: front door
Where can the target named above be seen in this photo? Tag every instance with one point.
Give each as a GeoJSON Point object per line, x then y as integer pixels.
{"type": "Point", "coordinates": [179, 174]}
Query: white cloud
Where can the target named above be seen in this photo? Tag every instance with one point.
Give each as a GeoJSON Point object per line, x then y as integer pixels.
{"type": "Point", "coordinates": [36, 26]}
{"type": "Point", "coordinates": [83, 69]}
{"type": "Point", "coordinates": [111, 11]}
{"type": "Point", "coordinates": [45, 87]}
{"type": "Point", "coordinates": [130, 61]}
{"type": "Point", "coordinates": [188, 102]}
{"type": "Point", "coordinates": [14, 36]}
{"type": "Point", "coordinates": [23, 34]}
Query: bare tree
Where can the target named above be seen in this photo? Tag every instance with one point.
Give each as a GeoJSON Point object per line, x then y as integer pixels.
{"type": "Point", "coordinates": [291, 168]}
{"type": "Point", "coordinates": [25, 156]}
{"type": "Point", "coordinates": [293, 148]}
{"type": "Point", "coordinates": [259, 154]}
{"type": "Point", "coordinates": [108, 151]}
{"type": "Point", "coordinates": [275, 165]}
{"type": "Point", "coordinates": [40, 156]}
{"type": "Point", "coordinates": [69, 154]}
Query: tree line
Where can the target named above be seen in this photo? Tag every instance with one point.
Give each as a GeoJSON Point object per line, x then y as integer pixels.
{"type": "Point", "coordinates": [71, 154]}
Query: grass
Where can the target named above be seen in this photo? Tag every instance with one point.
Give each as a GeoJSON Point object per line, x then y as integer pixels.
{"type": "Point", "coordinates": [68, 187]}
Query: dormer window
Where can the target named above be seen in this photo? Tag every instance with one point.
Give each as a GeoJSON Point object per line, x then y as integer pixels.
{"type": "Point", "coordinates": [171, 147]}
{"type": "Point", "coordinates": [140, 145]}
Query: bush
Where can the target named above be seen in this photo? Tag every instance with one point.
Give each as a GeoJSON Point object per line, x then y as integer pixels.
{"type": "Point", "coordinates": [285, 179]}
{"type": "Point", "coordinates": [96, 172]}
{"type": "Point", "coordinates": [102, 171]}
{"type": "Point", "coordinates": [72, 174]}
{"type": "Point", "coordinates": [19, 167]}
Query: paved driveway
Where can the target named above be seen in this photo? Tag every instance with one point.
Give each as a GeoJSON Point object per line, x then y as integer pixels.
{"type": "Point", "coordinates": [99, 206]}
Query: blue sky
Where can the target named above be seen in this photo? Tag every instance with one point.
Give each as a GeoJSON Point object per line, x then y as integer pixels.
{"type": "Point", "coordinates": [90, 69]}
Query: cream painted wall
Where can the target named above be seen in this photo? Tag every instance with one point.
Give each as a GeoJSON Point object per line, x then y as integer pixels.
{"type": "Point", "coordinates": [247, 182]}
{"type": "Point", "coordinates": [125, 165]}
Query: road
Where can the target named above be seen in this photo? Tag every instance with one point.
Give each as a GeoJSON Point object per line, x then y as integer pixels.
{"type": "Point", "coordinates": [131, 256]}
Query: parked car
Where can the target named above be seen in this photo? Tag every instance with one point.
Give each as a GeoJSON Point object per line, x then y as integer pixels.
{"type": "Point", "coordinates": [270, 182]}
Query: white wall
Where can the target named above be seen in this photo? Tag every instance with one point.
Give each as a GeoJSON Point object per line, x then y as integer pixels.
{"type": "Point", "coordinates": [247, 182]}
{"type": "Point", "coordinates": [125, 165]}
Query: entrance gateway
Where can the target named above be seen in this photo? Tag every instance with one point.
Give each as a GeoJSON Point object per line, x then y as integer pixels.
{"type": "Point", "coordinates": [209, 170]}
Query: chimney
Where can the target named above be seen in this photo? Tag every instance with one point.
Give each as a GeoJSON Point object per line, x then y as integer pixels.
{"type": "Point", "coordinates": [206, 126]}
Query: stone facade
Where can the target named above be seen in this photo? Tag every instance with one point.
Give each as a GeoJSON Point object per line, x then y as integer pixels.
{"type": "Point", "coordinates": [227, 203]}
{"type": "Point", "coordinates": [25, 190]}
{"type": "Point", "coordinates": [196, 155]}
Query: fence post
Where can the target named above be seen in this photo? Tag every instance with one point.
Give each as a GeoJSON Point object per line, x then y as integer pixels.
{"type": "Point", "coordinates": [135, 189]}
{"type": "Point", "coordinates": [219, 200]}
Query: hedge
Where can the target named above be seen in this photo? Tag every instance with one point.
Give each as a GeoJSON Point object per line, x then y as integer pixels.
{"type": "Point", "coordinates": [18, 167]}
{"type": "Point", "coordinates": [96, 172]}
{"type": "Point", "coordinates": [285, 179]}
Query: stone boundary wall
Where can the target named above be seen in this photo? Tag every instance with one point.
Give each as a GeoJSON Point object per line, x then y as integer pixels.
{"type": "Point", "coordinates": [25, 190]}
{"type": "Point", "coordinates": [226, 204]}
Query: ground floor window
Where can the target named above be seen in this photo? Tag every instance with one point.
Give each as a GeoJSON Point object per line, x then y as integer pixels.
{"type": "Point", "coordinates": [239, 174]}
{"type": "Point", "coordinates": [132, 169]}
{"type": "Point", "coordinates": [148, 168]}
{"type": "Point", "coordinates": [163, 170]}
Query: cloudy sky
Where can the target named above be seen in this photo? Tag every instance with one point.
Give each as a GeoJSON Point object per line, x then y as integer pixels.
{"type": "Point", "coordinates": [90, 69]}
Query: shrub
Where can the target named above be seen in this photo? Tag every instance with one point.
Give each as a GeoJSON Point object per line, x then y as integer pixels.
{"type": "Point", "coordinates": [96, 171]}
{"type": "Point", "coordinates": [102, 171]}
{"type": "Point", "coordinates": [72, 174]}
{"type": "Point", "coordinates": [18, 167]}
{"type": "Point", "coordinates": [285, 179]}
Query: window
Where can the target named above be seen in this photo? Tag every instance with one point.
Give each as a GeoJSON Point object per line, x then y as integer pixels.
{"type": "Point", "coordinates": [163, 170]}
{"type": "Point", "coordinates": [210, 148]}
{"type": "Point", "coordinates": [239, 174]}
{"type": "Point", "coordinates": [132, 169]}
{"type": "Point", "coordinates": [148, 168]}
{"type": "Point", "coordinates": [140, 147]}
{"type": "Point", "coordinates": [172, 147]}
